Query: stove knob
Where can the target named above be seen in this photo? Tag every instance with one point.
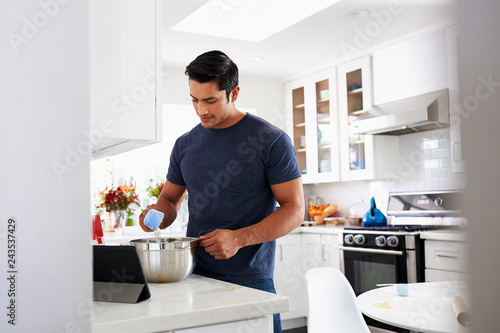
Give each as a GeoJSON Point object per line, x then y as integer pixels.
{"type": "Point", "coordinates": [380, 241]}
{"type": "Point", "coordinates": [349, 239]}
{"type": "Point", "coordinates": [392, 241]}
{"type": "Point", "coordinates": [359, 239]}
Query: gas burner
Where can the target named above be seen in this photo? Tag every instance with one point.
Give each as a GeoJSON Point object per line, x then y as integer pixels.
{"type": "Point", "coordinates": [403, 228]}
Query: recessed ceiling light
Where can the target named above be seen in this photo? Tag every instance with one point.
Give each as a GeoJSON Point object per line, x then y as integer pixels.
{"type": "Point", "coordinates": [249, 20]}
{"type": "Point", "coordinates": [355, 14]}
{"type": "Point", "coordinates": [254, 58]}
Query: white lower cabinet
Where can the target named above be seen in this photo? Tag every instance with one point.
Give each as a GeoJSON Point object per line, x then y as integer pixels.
{"type": "Point", "coordinates": [445, 261]}
{"type": "Point", "coordinates": [320, 250]}
{"type": "Point", "coordinates": [437, 275]}
{"type": "Point", "coordinates": [296, 253]}
{"type": "Point", "coordinates": [289, 275]}
{"type": "Point", "coordinates": [330, 246]}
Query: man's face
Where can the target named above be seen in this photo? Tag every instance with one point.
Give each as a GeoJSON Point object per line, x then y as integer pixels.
{"type": "Point", "coordinates": [210, 104]}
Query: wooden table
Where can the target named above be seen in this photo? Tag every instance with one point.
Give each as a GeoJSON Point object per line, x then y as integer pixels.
{"type": "Point", "coordinates": [427, 308]}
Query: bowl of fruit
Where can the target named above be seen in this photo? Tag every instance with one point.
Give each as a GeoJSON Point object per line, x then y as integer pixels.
{"type": "Point", "coordinates": [319, 213]}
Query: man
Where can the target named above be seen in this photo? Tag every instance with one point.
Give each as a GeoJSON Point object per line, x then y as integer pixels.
{"type": "Point", "coordinates": [235, 166]}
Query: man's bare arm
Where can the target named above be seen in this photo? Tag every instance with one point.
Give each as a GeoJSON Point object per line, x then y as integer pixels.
{"type": "Point", "coordinates": [223, 244]}
{"type": "Point", "coordinates": [169, 201]}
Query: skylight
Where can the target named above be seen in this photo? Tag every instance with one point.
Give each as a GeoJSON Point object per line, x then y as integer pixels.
{"type": "Point", "coordinates": [249, 20]}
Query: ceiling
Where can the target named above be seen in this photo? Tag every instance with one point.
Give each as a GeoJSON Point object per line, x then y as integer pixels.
{"type": "Point", "coordinates": [316, 42]}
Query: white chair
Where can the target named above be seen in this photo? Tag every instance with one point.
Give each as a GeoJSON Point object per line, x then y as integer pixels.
{"type": "Point", "coordinates": [331, 303]}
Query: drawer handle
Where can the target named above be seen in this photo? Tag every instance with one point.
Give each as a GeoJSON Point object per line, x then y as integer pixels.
{"type": "Point", "coordinates": [448, 257]}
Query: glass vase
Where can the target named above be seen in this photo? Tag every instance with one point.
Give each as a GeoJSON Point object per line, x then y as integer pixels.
{"type": "Point", "coordinates": [117, 219]}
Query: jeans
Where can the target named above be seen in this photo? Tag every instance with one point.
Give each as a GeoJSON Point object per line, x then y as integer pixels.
{"type": "Point", "coordinates": [264, 285]}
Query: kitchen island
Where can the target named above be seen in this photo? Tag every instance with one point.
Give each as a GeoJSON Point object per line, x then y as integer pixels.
{"type": "Point", "coordinates": [196, 304]}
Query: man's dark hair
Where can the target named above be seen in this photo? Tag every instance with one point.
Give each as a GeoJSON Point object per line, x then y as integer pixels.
{"type": "Point", "coordinates": [214, 66]}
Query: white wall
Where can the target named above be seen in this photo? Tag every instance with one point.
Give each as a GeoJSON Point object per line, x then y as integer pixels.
{"type": "Point", "coordinates": [260, 93]}
{"type": "Point", "coordinates": [45, 111]}
{"type": "Point", "coordinates": [479, 52]}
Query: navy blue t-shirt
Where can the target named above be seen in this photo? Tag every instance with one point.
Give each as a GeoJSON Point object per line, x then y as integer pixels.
{"type": "Point", "coordinates": [228, 173]}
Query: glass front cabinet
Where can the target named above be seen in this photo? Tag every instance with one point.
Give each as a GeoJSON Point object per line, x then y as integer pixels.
{"type": "Point", "coordinates": [361, 156]}
{"type": "Point", "coordinates": [313, 126]}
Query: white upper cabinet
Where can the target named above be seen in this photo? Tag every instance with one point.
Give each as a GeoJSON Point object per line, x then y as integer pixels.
{"type": "Point", "coordinates": [416, 66]}
{"type": "Point", "coordinates": [422, 64]}
{"type": "Point", "coordinates": [362, 157]}
{"type": "Point", "coordinates": [457, 163]}
{"type": "Point", "coordinates": [313, 125]}
{"type": "Point", "coordinates": [126, 80]}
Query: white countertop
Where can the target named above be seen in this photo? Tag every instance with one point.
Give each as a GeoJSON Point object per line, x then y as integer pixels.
{"type": "Point", "coordinates": [130, 233]}
{"type": "Point", "coordinates": [445, 235]}
{"type": "Point", "coordinates": [193, 302]}
{"type": "Point", "coordinates": [126, 234]}
{"type": "Point", "coordinates": [322, 229]}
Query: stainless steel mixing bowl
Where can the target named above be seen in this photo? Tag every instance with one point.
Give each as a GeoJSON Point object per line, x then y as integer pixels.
{"type": "Point", "coordinates": [166, 259]}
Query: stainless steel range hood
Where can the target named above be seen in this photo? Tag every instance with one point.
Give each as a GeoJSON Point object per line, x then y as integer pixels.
{"type": "Point", "coordinates": [410, 115]}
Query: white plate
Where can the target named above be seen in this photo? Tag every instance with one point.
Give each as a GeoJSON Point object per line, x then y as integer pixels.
{"type": "Point", "coordinates": [309, 224]}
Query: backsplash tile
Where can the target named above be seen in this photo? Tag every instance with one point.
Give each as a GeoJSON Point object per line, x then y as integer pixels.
{"type": "Point", "coordinates": [439, 173]}
{"type": "Point", "coordinates": [440, 153]}
{"type": "Point", "coordinates": [428, 154]}
{"type": "Point", "coordinates": [431, 164]}
{"type": "Point", "coordinates": [428, 144]}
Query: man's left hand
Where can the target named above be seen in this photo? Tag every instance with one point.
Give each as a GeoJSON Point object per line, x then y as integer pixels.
{"type": "Point", "coordinates": [220, 243]}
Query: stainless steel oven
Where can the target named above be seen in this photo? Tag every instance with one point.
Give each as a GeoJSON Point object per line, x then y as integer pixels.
{"type": "Point", "coordinates": [375, 257]}
{"type": "Point", "coordinates": [395, 253]}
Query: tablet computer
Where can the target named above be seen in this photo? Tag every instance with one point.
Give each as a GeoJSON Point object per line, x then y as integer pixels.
{"type": "Point", "coordinates": [118, 275]}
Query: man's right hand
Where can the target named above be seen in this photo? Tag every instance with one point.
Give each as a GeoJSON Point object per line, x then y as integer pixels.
{"type": "Point", "coordinates": [168, 202]}
{"type": "Point", "coordinates": [143, 215]}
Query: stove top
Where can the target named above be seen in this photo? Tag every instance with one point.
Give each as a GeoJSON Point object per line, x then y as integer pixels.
{"type": "Point", "coordinates": [404, 228]}
{"type": "Point", "coordinates": [390, 237]}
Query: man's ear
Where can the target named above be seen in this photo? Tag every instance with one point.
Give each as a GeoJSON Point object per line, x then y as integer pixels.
{"type": "Point", "coordinates": [234, 94]}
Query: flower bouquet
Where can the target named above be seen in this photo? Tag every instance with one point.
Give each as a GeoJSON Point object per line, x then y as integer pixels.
{"type": "Point", "coordinates": [117, 202]}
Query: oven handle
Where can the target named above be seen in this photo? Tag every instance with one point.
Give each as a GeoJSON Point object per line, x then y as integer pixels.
{"type": "Point", "coordinates": [365, 250]}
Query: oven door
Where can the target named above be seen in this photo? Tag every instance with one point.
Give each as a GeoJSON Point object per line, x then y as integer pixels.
{"type": "Point", "coordinates": [365, 267]}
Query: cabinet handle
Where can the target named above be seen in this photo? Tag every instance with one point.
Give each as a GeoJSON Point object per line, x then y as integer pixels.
{"type": "Point", "coordinates": [281, 252]}
{"type": "Point", "coordinates": [454, 145]}
{"type": "Point", "coordinates": [448, 257]}
{"type": "Point", "coordinates": [323, 252]}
